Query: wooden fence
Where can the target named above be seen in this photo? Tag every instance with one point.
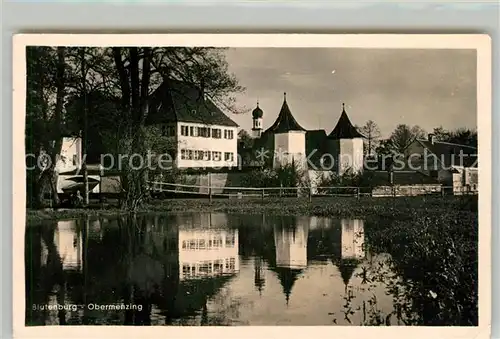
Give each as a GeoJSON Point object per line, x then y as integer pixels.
{"type": "Point", "coordinates": [160, 189]}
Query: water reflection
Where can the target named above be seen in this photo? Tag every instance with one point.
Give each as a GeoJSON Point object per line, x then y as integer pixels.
{"type": "Point", "coordinates": [208, 253]}
{"type": "Point", "coordinates": [201, 269]}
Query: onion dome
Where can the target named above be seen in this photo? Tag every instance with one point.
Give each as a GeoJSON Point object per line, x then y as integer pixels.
{"type": "Point", "coordinates": [257, 113]}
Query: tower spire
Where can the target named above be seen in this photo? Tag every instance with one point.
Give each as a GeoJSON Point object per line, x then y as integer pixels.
{"type": "Point", "coordinates": [284, 96]}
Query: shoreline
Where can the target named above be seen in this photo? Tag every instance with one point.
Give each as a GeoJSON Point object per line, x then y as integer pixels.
{"type": "Point", "coordinates": [390, 207]}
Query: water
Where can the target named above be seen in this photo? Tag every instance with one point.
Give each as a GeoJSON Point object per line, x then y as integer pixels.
{"type": "Point", "coordinates": [207, 269]}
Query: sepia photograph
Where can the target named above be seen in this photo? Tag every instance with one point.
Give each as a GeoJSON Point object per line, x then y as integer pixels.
{"type": "Point", "coordinates": [258, 182]}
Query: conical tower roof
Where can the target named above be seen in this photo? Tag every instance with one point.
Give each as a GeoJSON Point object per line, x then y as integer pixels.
{"type": "Point", "coordinates": [344, 128]}
{"type": "Point", "coordinates": [346, 268]}
{"type": "Point", "coordinates": [285, 121]}
{"type": "Point", "coordinates": [287, 277]}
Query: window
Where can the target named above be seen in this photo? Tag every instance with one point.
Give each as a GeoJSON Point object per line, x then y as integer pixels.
{"type": "Point", "coordinates": [216, 133]}
{"type": "Point", "coordinates": [190, 155]}
{"type": "Point", "coordinates": [183, 154]}
{"type": "Point", "coordinates": [75, 160]}
{"type": "Point", "coordinates": [207, 155]}
{"type": "Point", "coordinates": [204, 132]}
{"type": "Point", "coordinates": [230, 240]}
{"type": "Point", "coordinates": [191, 131]}
{"type": "Point", "coordinates": [228, 134]}
{"type": "Point", "coordinates": [184, 130]}
{"type": "Point", "coordinates": [228, 156]}
{"type": "Point", "coordinates": [216, 156]}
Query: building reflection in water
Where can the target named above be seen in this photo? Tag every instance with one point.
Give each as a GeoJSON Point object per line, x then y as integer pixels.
{"type": "Point", "coordinates": [352, 248]}
{"type": "Point", "coordinates": [205, 253]}
{"type": "Point", "coordinates": [68, 245]}
{"type": "Point", "coordinates": [290, 239]}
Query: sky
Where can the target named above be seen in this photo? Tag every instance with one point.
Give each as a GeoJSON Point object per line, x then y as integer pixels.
{"type": "Point", "coordinates": [424, 87]}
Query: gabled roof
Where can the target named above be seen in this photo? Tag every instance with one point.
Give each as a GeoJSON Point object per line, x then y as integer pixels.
{"type": "Point", "coordinates": [449, 153]}
{"type": "Point", "coordinates": [177, 101]}
{"type": "Point", "coordinates": [285, 121]}
{"type": "Point", "coordinates": [344, 128]}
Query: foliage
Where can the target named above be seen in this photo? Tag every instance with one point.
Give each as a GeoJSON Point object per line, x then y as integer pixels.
{"type": "Point", "coordinates": [343, 184]}
{"type": "Point", "coordinates": [461, 136]}
{"type": "Point", "coordinates": [372, 133]}
{"type": "Point", "coordinates": [288, 175]}
{"type": "Point", "coordinates": [437, 258]}
{"type": "Point", "coordinates": [400, 139]}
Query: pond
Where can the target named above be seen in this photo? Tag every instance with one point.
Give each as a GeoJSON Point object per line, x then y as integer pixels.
{"type": "Point", "coordinates": [210, 269]}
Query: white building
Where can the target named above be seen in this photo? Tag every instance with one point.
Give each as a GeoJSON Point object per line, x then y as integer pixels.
{"type": "Point", "coordinates": [70, 158]}
{"type": "Point", "coordinates": [289, 138]}
{"type": "Point", "coordinates": [346, 146]}
{"type": "Point", "coordinates": [198, 133]}
{"type": "Point", "coordinates": [340, 151]}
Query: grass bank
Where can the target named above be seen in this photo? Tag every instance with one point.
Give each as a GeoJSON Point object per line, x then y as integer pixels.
{"type": "Point", "coordinates": [394, 208]}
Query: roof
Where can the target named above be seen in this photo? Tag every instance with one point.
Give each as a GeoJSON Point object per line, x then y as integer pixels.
{"type": "Point", "coordinates": [177, 101]}
{"type": "Point", "coordinates": [285, 121]}
{"type": "Point", "coordinates": [449, 153]}
{"type": "Point", "coordinates": [287, 277]}
{"type": "Point", "coordinates": [344, 128]}
{"type": "Point", "coordinates": [257, 112]}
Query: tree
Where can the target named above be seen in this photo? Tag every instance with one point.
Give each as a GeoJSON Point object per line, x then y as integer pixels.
{"type": "Point", "coordinates": [461, 136]}
{"type": "Point", "coordinates": [46, 91]}
{"type": "Point", "coordinates": [372, 133]}
{"type": "Point", "coordinates": [403, 136]}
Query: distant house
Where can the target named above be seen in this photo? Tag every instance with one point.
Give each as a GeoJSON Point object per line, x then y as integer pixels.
{"type": "Point", "coordinates": [453, 165]}
{"type": "Point", "coordinates": [200, 135]}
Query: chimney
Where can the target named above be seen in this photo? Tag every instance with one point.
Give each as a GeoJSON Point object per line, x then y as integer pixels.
{"type": "Point", "coordinates": [431, 138]}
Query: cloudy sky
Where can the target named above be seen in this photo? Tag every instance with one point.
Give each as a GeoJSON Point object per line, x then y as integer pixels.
{"type": "Point", "coordinates": [429, 88]}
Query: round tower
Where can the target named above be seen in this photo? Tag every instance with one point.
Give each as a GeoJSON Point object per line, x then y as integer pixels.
{"type": "Point", "coordinates": [346, 146]}
{"type": "Point", "coordinates": [289, 138]}
{"type": "Point", "coordinates": [257, 117]}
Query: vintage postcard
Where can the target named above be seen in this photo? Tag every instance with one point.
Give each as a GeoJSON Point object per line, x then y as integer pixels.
{"type": "Point", "coordinates": [252, 184]}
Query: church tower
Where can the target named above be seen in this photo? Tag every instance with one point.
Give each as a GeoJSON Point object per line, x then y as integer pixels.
{"type": "Point", "coordinates": [346, 146]}
{"type": "Point", "coordinates": [257, 115]}
{"type": "Point", "coordinates": [289, 138]}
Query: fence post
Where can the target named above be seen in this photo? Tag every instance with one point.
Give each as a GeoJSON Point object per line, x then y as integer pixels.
{"type": "Point", "coordinates": [442, 191]}
{"type": "Point", "coordinates": [357, 193]}
{"type": "Point", "coordinates": [310, 194]}
{"type": "Point", "coordinates": [263, 194]}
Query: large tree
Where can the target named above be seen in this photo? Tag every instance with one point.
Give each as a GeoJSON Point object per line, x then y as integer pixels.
{"type": "Point", "coordinates": [372, 133]}
{"type": "Point", "coordinates": [46, 77]}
